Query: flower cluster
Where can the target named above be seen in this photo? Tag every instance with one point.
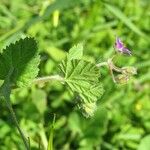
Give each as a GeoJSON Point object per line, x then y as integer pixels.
{"type": "Point", "coordinates": [124, 73]}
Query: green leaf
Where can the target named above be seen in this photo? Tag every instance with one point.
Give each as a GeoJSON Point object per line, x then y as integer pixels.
{"type": "Point", "coordinates": [145, 143]}
{"type": "Point", "coordinates": [23, 59]}
{"type": "Point", "coordinates": [76, 52]}
{"type": "Point", "coordinates": [83, 78]}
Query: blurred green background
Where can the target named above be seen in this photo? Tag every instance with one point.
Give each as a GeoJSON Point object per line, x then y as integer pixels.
{"type": "Point", "coordinates": [122, 120]}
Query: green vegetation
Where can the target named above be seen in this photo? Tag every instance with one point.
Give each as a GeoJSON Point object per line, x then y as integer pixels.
{"type": "Point", "coordinates": [47, 111]}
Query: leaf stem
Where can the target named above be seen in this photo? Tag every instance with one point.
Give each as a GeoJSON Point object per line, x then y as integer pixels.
{"type": "Point", "coordinates": [48, 78]}
{"type": "Point", "coordinates": [102, 64]}
{"type": "Point", "coordinates": [109, 63]}
{"type": "Point", "coordinates": [16, 123]}
{"type": "Point", "coordinates": [5, 91]}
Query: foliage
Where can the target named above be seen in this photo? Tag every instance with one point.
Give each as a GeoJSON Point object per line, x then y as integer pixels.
{"type": "Point", "coordinates": [82, 77]}
{"type": "Point", "coordinates": [123, 111]}
{"type": "Point", "coordinates": [23, 59]}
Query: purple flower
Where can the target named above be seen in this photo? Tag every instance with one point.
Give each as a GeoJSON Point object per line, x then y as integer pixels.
{"type": "Point", "coordinates": [121, 48]}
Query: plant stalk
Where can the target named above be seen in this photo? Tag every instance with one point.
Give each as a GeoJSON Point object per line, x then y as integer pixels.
{"type": "Point", "coordinates": [16, 123]}
{"type": "Point", "coordinates": [48, 78]}
{"type": "Point", "coordinates": [102, 64]}
{"type": "Point", "coordinates": [109, 63]}
{"type": "Point", "coordinates": [5, 91]}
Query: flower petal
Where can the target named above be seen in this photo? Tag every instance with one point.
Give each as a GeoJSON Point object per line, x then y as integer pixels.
{"type": "Point", "coordinates": [121, 48]}
{"type": "Point", "coordinates": [118, 44]}
{"type": "Point", "coordinates": [126, 51]}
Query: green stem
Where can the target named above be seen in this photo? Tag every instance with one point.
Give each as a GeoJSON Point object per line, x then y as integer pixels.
{"type": "Point", "coordinates": [16, 123]}
{"type": "Point", "coordinates": [5, 91]}
{"type": "Point", "coordinates": [50, 141]}
{"type": "Point", "coordinates": [102, 64]}
{"type": "Point", "coordinates": [48, 78]}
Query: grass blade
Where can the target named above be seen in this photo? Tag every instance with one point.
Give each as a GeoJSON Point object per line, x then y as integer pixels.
{"type": "Point", "coordinates": [120, 15]}
{"type": "Point", "coordinates": [50, 141]}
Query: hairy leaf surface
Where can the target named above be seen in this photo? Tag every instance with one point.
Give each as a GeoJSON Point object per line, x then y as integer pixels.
{"type": "Point", "coordinates": [83, 77]}
{"type": "Point", "coordinates": [23, 59]}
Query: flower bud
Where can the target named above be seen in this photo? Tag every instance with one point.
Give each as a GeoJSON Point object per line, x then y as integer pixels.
{"type": "Point", "coordinates": [88, 109]}
{"type": "Point", "coordinates": [129, 70]}
{"type": "Point", "coordinates": [122, 78]}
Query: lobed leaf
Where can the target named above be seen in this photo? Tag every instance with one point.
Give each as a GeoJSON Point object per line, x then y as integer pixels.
{"type": "Point", "coordinates": [83, 78]}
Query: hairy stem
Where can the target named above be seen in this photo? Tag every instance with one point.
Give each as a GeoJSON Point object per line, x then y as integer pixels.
{"type": "Point", "coordinates": [102, 64]}
{"type": "Point", "coordinates": [109, 63]}
{"type": "Point", "coordinates": [48, 78]}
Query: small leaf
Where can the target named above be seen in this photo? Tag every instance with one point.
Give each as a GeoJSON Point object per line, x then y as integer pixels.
{"type": "Point", "coordinates": [83, 78]}
{"type": "Point", "coordinates": [76, 52]}
{"type": "Point", "coordinates": [23, 59]}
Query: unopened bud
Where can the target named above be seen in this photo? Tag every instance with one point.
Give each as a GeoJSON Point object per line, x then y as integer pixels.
{"type": "Point", "coordinates": [129, 70]}
{"type": "Point", "coordinates": [88, 109]}
{"type": "Point", "coordinates": [122, 78]}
